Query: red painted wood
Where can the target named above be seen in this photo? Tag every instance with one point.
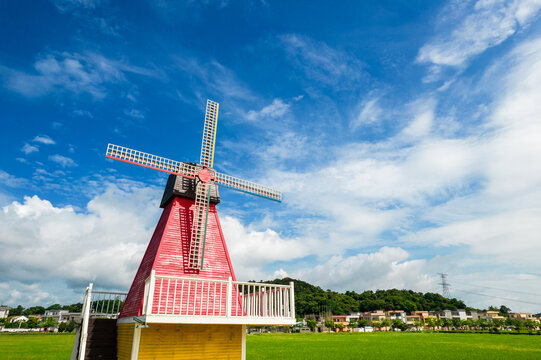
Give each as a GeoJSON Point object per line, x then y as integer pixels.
{"type": "Point", "coordinates": [167, 254]}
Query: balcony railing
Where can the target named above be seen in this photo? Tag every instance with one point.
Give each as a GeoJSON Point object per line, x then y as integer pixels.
{"type": "Point", "coordinates": [97, 304]}
{"type": "Point", "coordinates": [191, 300]}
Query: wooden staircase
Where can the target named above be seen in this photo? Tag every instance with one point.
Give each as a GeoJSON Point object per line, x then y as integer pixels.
{"type": "Point", "coordinates": [101, 341]}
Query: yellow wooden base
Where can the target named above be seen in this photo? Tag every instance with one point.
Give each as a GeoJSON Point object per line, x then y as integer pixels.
{"type": "Point", "coordinates": [181, 341]}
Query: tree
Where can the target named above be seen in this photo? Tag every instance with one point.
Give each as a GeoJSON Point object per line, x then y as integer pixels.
{"type": "Point", "coordinates": [385, 323]}
{"type": "Point", "coordinates": [49, 322]}
{"type": "Point", "coordinates": [34, 310]}
{"type": "Point", "coordinates": [431, 322]}
{"type": "Point", "coordinates": [362, 322]}
{"type": "Point", "coordinates": [32, 323]}
{"type": "Point", "coordinates": [55, 307]}
{"type": "Point", "coordinates": [482, 323]}
{"type": "Point", "coordinates": [498, 323]}
{"type": "Point", "coordinates": [447, 323]}
{"type": "Point", "coordinates": [353, 324]}
{"type": "Point", "coordinates": [329, 324]}
{"type": "Point", "coordinates": [67, 327]}
{"type": "Point", "coordinates": [311, 324]}
{"type": "Point", "coordinates": [340, 325]}
{"type": "Point", "coordinates": [456, 323]}
{"type": "Point", "coordinates": [504, 309]}
{"type": "Point", "coordinates": [468, 323]}
{"type": "Point", "coordinates": [399, 324]}
{"type": "Point", "coordinates": [376, 324]}
{"type": "Point", "coordinates": [529, 324]}
{"type": "Point", "coordinates": [18, 311]}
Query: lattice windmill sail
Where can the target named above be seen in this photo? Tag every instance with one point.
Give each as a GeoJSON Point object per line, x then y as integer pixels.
{"type": "Point", "coordinates": [204, 176]}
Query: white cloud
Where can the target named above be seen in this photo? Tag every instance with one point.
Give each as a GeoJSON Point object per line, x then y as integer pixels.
{"type": "Point", "coordinates": [251, 250]}
{"type": "Point", "coordinates": [370, 113]}
{"type": "Point", "coordinates": [27, 294]}
{"type": "Point", "coordinates": [44, 139]}
{"type": "Point", "coordinates": [423, 118]}
{"type": "Point", "coordinates": [76, 73]}
{"type": "Point", "coordinates": [134, 113]}
{"type": "Point", "coordinates": [11, 181]}
{"type": "Point", "coordinates": [64, 161]}
{"type": "Point", "coordinates": [41, 242]}
{"type": "Point", "coordinates": [275, 110]}
{"type": "Point", "coordinates": [387, 268]}
{"type": "Point", "coordinates": [28, 149]}
{"type": "Point", "coordinates": [487, 24]}
{"type": "Point", "coordinates": [83, 113]}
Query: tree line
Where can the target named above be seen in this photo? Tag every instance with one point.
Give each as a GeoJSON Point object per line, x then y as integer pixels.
{"type": "Point", "coordinates": [311, 299]}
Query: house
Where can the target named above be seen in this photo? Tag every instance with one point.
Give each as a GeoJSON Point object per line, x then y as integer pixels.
{"type": "Point", "coordinates": [411, 320]}
{"type": "Point", "coordinates": [36, 316]}
{"type": "Point", "coordinates": [337, 319]}
{"type": "Point", "coordinates": [4, 311]}
{"type": "Point", "coordinates": [521, 316]}
{"type": "Point", "coordinates": [74, 316]}
{"type": "Point", "coordinates": [59, 315]}
{"type": "Point", "coordinates": [376, 315]}
{"type": "Point", "coordinates": [21, 318]}
{"type": "Point", "coordinates": [353, 317]}
{"type": "Point", "coordinates": [490, 315]}
{"type": "Point", "coordinates": [423, 315]}
{"type": "Point", "coordinates": [396, 315]}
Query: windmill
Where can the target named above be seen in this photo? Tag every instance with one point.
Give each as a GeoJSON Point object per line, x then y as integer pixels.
{"type": "Point", "coordinates": [204, 176]}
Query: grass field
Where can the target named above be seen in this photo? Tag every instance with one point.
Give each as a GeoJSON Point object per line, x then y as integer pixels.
{"type": "Point", "coordinates": [36, 346]}
{"type": "Point", "coordinates": [322, 346]}
{"type": "Point", "coordinates": [389, 345]}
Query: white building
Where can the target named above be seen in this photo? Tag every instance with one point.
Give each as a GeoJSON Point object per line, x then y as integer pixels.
{"type": "Point", "coordinates": [4, 311]}
{"type": "Point", "coordinates": [59, 315]}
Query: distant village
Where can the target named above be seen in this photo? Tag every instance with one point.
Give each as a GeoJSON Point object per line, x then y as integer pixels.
{"type": "Point", "coordinates": [399, 320]}
{"type": "Point", "coordinates": [61, 320]}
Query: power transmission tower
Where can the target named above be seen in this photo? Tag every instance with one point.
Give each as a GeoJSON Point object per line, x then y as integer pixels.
{"type": "Point", "coordinates": [444, 285]}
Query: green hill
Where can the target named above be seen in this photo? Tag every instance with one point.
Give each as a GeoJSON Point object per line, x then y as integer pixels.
{"type": "Point", "coordinates": [311, 299]}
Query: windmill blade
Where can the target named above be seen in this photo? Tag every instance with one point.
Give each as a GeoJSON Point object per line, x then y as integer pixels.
{"type": "Point", "coordinates": [209, 134]}
{"type": "Point", "coordinates": [199, 226]}
{"type": "Point", "coordinates": [248, 187]}
{"type": "Point", "coordinates": [125, 154]}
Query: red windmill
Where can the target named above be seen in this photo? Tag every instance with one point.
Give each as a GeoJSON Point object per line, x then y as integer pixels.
{"type": "Point", "coordinates": [186, 276]}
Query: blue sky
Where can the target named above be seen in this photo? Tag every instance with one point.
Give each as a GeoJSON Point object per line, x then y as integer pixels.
{"type": "Point", "coordinates": [403, 135]}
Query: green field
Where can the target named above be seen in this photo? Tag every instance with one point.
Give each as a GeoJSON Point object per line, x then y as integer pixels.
{"type": "Point", "coordinates": [322, 346]}
{"type": "Point", "coordinates": [36, 346]}
{"type": "Point", "coordinates": [389, 345]}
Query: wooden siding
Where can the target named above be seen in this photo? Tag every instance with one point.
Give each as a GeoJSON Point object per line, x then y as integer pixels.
{"type": "Point", "coordinates": [182, 341]}
{"type": "Point", "coordinates": [167, 253]}
{"type": "Point", "coordinates": [124, 339]}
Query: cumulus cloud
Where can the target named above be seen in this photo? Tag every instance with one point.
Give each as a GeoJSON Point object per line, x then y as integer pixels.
{"type": "Point", "coordinates": [275, 110]}
{"type": "Point", "coordinates": [44, 139]}
{"type": "Point", "coordinates": [28, 149]}
{"type": "Point", "coordinates": [104, 243]}
{"type": "Point", "coordinates": [252, 250]}
{"type": "Point", "coordinates": [386, 268]}
{"type": "Point", "coordinates": [62, 160]}
{"type": "Point", "coordinates": [11, 180]}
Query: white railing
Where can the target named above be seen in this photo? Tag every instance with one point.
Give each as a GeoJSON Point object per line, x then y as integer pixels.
{"type": "Point", "coordinates": [191, 297]}
{"type": "Point", "coordinates": [98, 304]}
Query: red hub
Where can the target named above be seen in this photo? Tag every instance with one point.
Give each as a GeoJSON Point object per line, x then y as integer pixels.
{"type": "Point", "coordinates": [204, 175]}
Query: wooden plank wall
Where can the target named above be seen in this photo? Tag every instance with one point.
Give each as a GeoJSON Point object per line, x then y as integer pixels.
{"type": "Point", "coordinates": [124, 339]}
{"type": "Point", "coordinates": [187, 341]}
